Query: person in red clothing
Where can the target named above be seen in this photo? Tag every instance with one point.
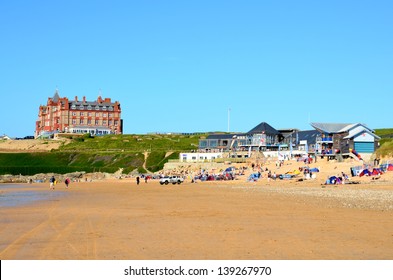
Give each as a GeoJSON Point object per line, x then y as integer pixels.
{"type": "Point", "coordinates": [67, 182]}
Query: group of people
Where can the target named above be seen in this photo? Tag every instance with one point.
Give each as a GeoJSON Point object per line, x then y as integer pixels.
{"type": "Point", "coordinates": [53, 182]}
{"type": "Point", "coordinates": [138, 179]}
{"type": "Point", "coordinates": [337, 180]}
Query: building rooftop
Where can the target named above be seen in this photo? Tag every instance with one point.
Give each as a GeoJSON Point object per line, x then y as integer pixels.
{"type": "Point", "coordinates": [264, 127]}
{"type": "Point", "coordinates": [309, 135]}
{"type": "Point", "coordinates": [330, 127]}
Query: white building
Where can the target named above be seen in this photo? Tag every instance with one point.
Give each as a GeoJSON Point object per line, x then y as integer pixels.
{"type": "Point", "coordinates": [199, 157]}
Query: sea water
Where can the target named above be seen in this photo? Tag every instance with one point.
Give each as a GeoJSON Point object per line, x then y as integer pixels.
{"type": "Point", "coordinates": [13, 196]}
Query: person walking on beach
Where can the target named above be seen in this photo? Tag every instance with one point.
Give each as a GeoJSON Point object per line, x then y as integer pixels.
{"type": "Point", "coordinates": [67, 182]}
{"type": "Point", "coordinates": [52, 181]}
{"type": "Point", "coordinates": [137, 180]}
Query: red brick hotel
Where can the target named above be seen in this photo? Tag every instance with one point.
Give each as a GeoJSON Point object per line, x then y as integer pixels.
{"type": "Point", "coordinates": [61, 115]}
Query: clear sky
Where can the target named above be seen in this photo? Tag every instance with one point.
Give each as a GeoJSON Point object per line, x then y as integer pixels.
{"type": "Point", "coordinates": [178, 66]}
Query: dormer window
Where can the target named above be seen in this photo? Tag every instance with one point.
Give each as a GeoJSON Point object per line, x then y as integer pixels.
{"type": "Point", "coordinates": [89, 107]}
{"type": "Point", "coordinates": [110, 108]}
{"type": "Point", "coordinates": [73, 107]}
{"type": "Point", "coordinates": [81, 107]}
{"type": "Point", "coordinates": [104, 108]}
{"type": "Point", "coordinates": [97, 108]}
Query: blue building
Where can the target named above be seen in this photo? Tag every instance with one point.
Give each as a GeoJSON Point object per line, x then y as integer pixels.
{"type": "Point", "coordinates": [344, 137]}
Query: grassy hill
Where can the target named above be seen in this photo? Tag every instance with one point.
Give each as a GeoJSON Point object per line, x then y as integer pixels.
{"type": "Point", "coordinates": [384, 132]}
{"type": "Point", "coordinates": [109, 153]}
{"type": "Point", "coordinates": [135, 143]}
{"type": "Point", "coordinates": [102, 154]}
{"type": "Point", "coordinates": [386, 142]}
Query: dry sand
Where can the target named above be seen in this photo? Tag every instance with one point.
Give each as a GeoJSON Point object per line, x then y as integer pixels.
{"type": "Point", "coordinates": [116, 219]}
{"type": "Point", "coordinates": [283, 219]}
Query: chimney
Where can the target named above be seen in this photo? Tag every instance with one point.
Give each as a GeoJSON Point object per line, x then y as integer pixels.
{"type": "Point", "coordinates": [99, 99]}
{"type": "Point", "coordinates": [84, 99]}
{"type": "Point", "coordinates": [76, 98]}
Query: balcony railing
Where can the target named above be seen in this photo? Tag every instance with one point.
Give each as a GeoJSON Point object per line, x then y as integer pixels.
{"type": "Point", "coordinates": [324, 139]}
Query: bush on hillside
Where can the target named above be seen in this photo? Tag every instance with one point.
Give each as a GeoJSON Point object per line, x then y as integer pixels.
{"type": "Point", "coordinates": [386, 148]}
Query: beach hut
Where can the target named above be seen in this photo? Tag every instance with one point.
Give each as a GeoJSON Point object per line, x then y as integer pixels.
{"type": "Point", "coordinates": [339, 138]}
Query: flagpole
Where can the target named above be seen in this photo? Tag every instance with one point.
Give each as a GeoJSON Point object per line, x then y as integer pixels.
{"type": "Point", "coordinates": [229, 117]}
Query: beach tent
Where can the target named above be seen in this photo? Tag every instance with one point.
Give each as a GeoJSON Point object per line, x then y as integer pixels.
{"type": "Point", "coordinates": [332, 180]}
{"type": "Point", "coordinates": [253, 177]}
{"type": "Point", "coordinates": [376, 171]}
{"type": "Point", "coordinates": [365, 172]}
{"type": "Point", "coordinates": [355, 171]}
{"type": "Point", "coordinates": [386, 167]}
{"type": "Point", "coordinates": [286, 176]}
{"type": "Point", "coordinates": [294, 172]}
{"type": "Point", "coordinates": [313, 170]}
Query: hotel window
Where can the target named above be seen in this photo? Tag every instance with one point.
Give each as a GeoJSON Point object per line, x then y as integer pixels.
{"type": "Point", "coordinates": [116, 122]}
{"type": "Point", "coordinates": [89, 114]}
{"type": "Point", "coordinates": [103, 122]}
{"type": "Point", "coordinates": [109, 122]}
{"type": "Point", "coordinates": [97, 108]}
{"type": "Point", "coordinates": [104, 108]}
{"type": "Point", "coordinates": [81, 114]}
{"type": "Point", "coordinates": [89, 107]}
{"type": "Point", "coordinates": [81, 107]}
{"type": "Point", "coordinates": [88, 121]}
{"type": "Point", "coordinates": [104, 115]}
{"type": "Point", "coordinates": [110, 108]}
{"type": "Point", "coordinates": [74, 113]}
{"type": "Point", "coordinates": [73, 121]}
{"type": "Point", "coordinates": [81, 121]}
{"type": "Point", "coordinates": [73, 107]}
{"type": "Point", "coordinates": [97, 122]}
{"type": "Point", "coordinates": [110, 115]}
{"type": "Point", "coordinates": [97, 114]}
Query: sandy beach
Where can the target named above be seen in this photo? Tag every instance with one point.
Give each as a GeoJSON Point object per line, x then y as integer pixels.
{"type": "Point", "coordinates": [116, 219]}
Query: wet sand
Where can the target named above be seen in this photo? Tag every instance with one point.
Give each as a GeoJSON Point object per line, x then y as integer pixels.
{"type": "Point", "coordinates": [208, 220]}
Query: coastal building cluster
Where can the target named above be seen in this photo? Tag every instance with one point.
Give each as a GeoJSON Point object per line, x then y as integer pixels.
{"type": "Point", "coordinates": [325, 140]}
{"type": "Point", "coordinates": [102, 117]}
{"type": "Point", "coordinates": [61, 115]}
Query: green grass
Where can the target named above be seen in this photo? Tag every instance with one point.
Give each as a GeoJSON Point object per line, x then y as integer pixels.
{"type": "Point", "coordinates": [65, 162]}
{"type": "Point", "coordinates": [386, 142]}
{"type": "Point", "coordinates": [101, 154]}
{"type": "Point", "coordinates": [135, 143]}
{"type": "Point", "coordinates": [156, 160]}
{"type": "Point", "coordinates": [381, 132]}
{"type": "Point", "coordinates": [386, 148]}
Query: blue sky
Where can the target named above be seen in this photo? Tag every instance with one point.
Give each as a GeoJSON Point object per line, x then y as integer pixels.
{"type": "Point", "coordinates": [178, 66]}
